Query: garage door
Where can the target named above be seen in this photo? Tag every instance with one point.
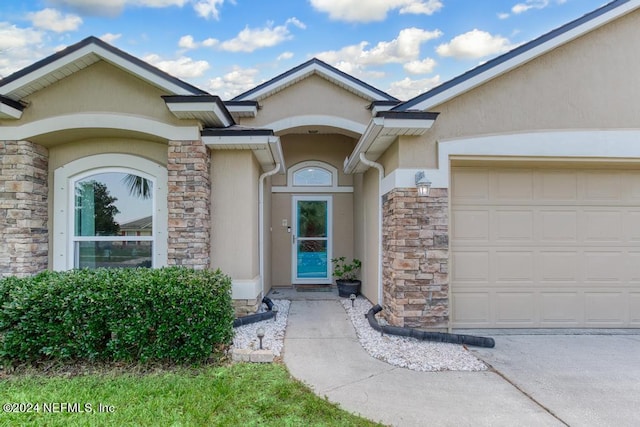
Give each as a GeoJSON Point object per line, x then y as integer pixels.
{"type": "Point", "coordinates": [543, 247]}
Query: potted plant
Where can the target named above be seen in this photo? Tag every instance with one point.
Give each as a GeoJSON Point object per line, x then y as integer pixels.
{"type": "Point", "coordinates": [345, 274]}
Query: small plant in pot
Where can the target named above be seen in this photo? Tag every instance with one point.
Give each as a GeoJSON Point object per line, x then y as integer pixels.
{"type": "Point", "coordinates": [345, 274]}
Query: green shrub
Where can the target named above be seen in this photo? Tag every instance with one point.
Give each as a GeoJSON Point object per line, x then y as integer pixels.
{"type": "Point", "coordinates": [172, 314]}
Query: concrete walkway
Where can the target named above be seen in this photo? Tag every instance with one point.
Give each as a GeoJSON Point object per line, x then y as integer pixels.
{"type": "Point", "coordinates": [322, 350]}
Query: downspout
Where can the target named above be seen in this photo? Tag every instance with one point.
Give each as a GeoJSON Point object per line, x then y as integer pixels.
{"type": "Point", "coordinates": [261, 248]}
{"type": "Point", "coordinates": [380, 168]}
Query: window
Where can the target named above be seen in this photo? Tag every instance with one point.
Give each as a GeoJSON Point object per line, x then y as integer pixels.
{"type": "Point", "coordinates": [312, 176]}
{"type": "Point", "coordinates": [113, 220]}
{"type": "Point", "coordinates": [110, 211]}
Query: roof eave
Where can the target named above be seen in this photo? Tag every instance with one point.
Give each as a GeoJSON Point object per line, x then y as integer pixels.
{"type": "Point", "coordinates": [383, 130]}
{"type": "Point", "coordinates": [208, 109]}
{"type": "Point", "coordinates": [519, 56]}
{"type": "Point", "coordinates": [265, 146]}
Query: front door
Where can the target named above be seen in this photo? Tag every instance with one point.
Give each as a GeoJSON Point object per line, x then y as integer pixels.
{"type": "Point", "coordinates": [311, 240]}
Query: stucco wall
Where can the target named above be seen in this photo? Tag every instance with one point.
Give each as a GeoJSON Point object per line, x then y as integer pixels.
{"type": "Point", "coordinates": [371, 227]}
{"type": "Point", "coordinates": [234, 213]}
{"type": "Point", "coordinates": [98, 88]}
{"type": "Point", "coordinates": [588, 83]}
{"type": "Point", "coordinates": [311, 96]}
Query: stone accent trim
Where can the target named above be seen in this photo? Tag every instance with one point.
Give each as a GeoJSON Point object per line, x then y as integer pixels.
{"type": "Point", "coordinates": [189, 204]}
{"type": "Point", "coordinates": [244, 307]}
{"type": "Point", "coordinates": [24, 235]}
{"type": "Point", "coordinates": [415, 240]}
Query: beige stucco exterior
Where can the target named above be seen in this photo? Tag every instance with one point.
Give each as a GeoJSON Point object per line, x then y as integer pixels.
{"type": "Point", "coordinates": [569, 88]}
{"type": "Point", "coordinates": [234, 213]}
{"type": "Point", "coordinates": [313, 96]}
{"type": "Point", "coordinates": [101, 87]}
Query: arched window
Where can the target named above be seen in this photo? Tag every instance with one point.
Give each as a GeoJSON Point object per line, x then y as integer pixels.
{"type": "Point", "coordinates": [312, 176]}
{"type": "Point", "coordinates": [108, 215]}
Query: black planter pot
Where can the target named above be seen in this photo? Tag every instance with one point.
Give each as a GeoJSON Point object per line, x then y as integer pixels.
{"type": "Point", "coordinates": [348, 287]}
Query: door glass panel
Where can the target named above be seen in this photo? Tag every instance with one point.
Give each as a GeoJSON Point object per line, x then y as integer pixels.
{"type": "Point", "coordinates": [312, 259]}
{"type": "Point", "coordinates": [312, 218]}
{"type": "Point", "coordinates": [312, 240]}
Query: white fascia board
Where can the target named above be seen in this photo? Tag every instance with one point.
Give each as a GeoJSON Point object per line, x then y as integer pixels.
{"type": "Point", "coordinates": [370, 134]}
{"type": "Point", "coordinates": [8, 112]}
{"type": "Point", "coordinates": [213, 141]}
{"type": "Point", "coordinates": [525, 57]}
{"type": "Point", "coordinates": [310, 69]}
{"type": "Point", "coordinates": [375, 129]}
{"type": "Point", "coordinates": [250, 110]}
{"type": "Point", "coordinates": [103, 53]}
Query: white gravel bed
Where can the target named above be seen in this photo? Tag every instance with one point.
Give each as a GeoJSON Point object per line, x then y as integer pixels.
{"type": "Point", "coordinates": [404, 352]}
{"type": "Point", "coordinates": [408, 352]}
{"type": "Point", "coordinates": [245, 336]}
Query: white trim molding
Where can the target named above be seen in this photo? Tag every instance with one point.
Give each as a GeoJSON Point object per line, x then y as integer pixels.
{"type": "Point", "coordinates": [316, 120]}
{"type": "Point", "coordinates": [291, 188]}
{"type": "Point", "coordinates": [566, 145]}
{"type": "Point", "coordinates": [101, 121]}
{"type": "Point", "coordinates": [246, 288]}
{"type": "Point", "coordinates": [66, 175]}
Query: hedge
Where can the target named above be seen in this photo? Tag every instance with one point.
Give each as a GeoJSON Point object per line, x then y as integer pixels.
{"type": "Point", "coordinates": [138, 314]}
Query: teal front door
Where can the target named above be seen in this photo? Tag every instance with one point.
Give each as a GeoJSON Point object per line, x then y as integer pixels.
{"type": "Point", "coordinates": [311, 240]}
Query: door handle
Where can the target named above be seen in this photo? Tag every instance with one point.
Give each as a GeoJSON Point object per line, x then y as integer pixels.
{"type": "Point", "coordinates": [293, 239]}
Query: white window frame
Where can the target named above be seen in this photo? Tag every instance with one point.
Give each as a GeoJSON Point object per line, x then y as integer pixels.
{"type": "Point", "coordinates": [333, 188]}
{"type": "Point", "coordinates": [65, 178]}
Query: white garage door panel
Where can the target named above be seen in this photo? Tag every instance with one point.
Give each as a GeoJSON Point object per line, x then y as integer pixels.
{"type": "Point", "coordinates": [541, 247]}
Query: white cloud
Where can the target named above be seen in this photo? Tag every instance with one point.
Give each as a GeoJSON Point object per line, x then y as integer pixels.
{"type": "Point", "coordinates": [373, 10]}
{"type": "Point", "coordinates": [407, 88]}
{"type": "Point", "coordinates": [528, 5]}
{"type": "Point", "coordinates": [425, 66]}
{"type": "Point", "coordinates": [233, 83]}
{"type": "Point", "coordinates": [251, 39]}
{"type": "Point", "coordinates": [110, 37]}
{"type": "Point", "coordinates": [474, 44]}
{"type": "Point", "coordinates": [19, 47]}
{"type": "Point", "coordinates": [113, 7]}
{"type": "Point", "coordinates": [404, 48]}
{"type": "Point", "coordinates": [53, 20]}
{"type": "Point", "coordinates": [284, 56]}
{"type": "Point", "coordinates": [187, 42]}
{"type": "Point", "coordinates": [183, 67]}
{"type": "Point", "coordinates": [208, 8]}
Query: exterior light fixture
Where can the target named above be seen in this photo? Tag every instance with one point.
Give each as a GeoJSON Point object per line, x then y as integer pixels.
{"type": "Point", "coordinates": [260, 334]}
{"type": "Point", "coordinates": [422, 184]}
{"type": "Point", "coordinates": [352, 297]}
{"type": "Point", "coordinates": [275, 312]}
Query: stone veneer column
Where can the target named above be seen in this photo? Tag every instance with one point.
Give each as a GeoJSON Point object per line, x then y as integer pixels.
{"type": "Point", "coordinates": [189, 204]}
{"type": "Point", "coordinates": [415, 258]}
{"type": "Point", "coordinates": [24, 237]}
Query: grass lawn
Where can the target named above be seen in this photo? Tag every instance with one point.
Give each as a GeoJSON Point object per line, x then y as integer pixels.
{"type": "Point", "coordinates": [236, 395]}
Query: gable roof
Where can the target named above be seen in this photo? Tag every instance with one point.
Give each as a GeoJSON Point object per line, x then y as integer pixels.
{"type": "Point", "coordinates": [520, 55]}
{"type": "Point", "coordinates": [81, 55]}
{"type": "Point", "coordinates": [322, 69]}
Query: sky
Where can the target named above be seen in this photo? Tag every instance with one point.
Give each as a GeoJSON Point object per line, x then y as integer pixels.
{"type": "Point", "coordinates": [226, 47]}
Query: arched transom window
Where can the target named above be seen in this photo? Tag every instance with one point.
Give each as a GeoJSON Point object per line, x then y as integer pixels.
{"type": "Point", "coordinates": [312, 176]}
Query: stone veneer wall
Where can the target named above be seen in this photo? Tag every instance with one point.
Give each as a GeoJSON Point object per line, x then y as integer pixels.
{"type": "Point", "coordinates": [415, 259]}
{"type": "Point", "coordinates": [189, 204]}
{"type": "Point", "coordinates": [24, 237]}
